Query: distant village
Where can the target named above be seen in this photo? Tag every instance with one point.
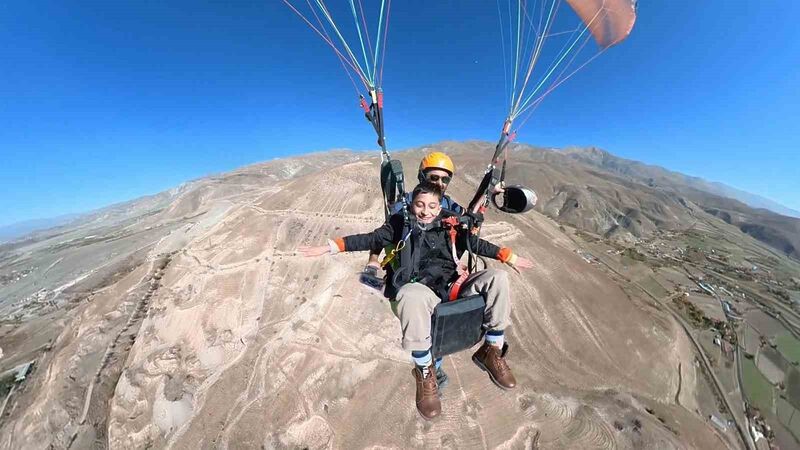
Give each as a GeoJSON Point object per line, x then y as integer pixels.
{"type": "Point", "coordinates": [741, 311]}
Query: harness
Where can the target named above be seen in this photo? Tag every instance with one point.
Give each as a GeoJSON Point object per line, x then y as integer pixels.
{"type": "Point", "coordinates": [452, 225]}
{"type": "Point", "coordinates": [392, 254]}
{"type": "Point", "coordinates": [392, 182]}
{"type": "Point", "coordinates": [392, 178]}
{"type": "Point", "coordinates": [480, 201]}
{"type": "Point", "coordinates": [491, 178]}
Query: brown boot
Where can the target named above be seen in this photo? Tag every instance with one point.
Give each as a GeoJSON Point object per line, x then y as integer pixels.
{"type": "Point", "coordinates": [428, 403]}
{"type": "Point", "coordinates": [492, 359]}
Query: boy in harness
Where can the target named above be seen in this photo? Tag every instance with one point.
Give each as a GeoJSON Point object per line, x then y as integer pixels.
{"type": "Point", "coordinates": [436, 168]}
{"type": "Point", "coordinates": [427, 269]}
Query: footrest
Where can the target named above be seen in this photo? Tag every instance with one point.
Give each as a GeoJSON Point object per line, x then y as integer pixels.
{"type": "Point", "coordinates": [456, 325]}
{"type": "Point", "coordinates": [371, 280]}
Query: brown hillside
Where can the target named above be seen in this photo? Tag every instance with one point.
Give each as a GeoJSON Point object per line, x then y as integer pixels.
{"type": "Point", "coordinates": [193, 323]}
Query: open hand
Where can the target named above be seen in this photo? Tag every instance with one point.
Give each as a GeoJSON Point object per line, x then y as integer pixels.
{"type": "Point", "coordinates": [310, 252]}
{"type": "Point", "coordinates": [523, 263]}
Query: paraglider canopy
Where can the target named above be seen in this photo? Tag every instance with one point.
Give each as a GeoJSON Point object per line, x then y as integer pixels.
{"type": "Point", "coordinates": [546, 45]}
{"type": "Point", "coordinates": [542, 49]}
{"type": "Point", "coordinates": [609, 21]}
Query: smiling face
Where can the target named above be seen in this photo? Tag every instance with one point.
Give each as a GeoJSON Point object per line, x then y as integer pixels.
{"type": "Point", "coordinates": [426, 207]}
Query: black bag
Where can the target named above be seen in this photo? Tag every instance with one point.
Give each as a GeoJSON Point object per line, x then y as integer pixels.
{"type": "Point", "coordinates": [457, 325]}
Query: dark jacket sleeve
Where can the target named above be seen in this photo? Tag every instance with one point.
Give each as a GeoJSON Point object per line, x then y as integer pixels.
{"type": "Point", "coordinates": [479, 246]}
{"type": "Point", "coordinates": [484, 248]}
{"type": "Point", "coordinates": [381, 237]}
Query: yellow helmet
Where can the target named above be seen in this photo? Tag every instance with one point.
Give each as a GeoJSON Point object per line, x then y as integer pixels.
{"type": "Point", "coordinates": [437, 160]}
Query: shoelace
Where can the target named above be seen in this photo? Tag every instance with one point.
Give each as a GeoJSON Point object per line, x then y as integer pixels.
{"type": "Point", "coordinates": [499, 362]}
{"type": "Point", "coordinates": [428, 387]}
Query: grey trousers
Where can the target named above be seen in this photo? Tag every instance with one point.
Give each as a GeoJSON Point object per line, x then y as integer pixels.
{"type": "Point", "coordinates": [415, 303]}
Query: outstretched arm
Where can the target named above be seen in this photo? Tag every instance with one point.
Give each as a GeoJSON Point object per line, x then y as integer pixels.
{"type": "Point", "coordinates": [310, 252]}
{"type": "Point", "coordinates": [504, 254]}
{"type": "Point", "coordinates": [377, 239]}
{"type": "Point", "coordinates": [508, 256]}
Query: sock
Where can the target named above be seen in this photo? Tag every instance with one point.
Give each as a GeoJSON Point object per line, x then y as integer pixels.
{"type": "Point", "coordinates": [423, 360]}
{"type": "Point", "coordinates": [495, 337]}
{"type": "Point", "coordinates": [438, 363]}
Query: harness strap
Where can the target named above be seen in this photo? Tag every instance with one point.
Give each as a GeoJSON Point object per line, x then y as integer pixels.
{"type": "Point", "coordinates": [491, 178]}
{"type": "Point", "coordinates": [451, 223]}
{"type": "Point", "coordinates": [393, 254]}
{"type": "Point", "coordinates": [455, 289]}
{"type": "Point", "coordinates": [363, 103]}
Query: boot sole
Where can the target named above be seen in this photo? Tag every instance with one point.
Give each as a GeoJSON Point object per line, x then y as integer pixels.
{"type": "Point", "coordinates": [429, 418]}
{"type": "Point", "coordinates": [491, 377]}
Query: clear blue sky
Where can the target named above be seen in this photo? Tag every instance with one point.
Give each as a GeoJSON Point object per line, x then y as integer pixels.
{"type": "Point", "coordinates": [105, 101]}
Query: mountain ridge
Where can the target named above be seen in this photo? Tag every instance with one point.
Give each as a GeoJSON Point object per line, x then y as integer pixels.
{"type": "Point", "coordinates": [646, 173]}
{"type": "Point", "coordinates": [603, 157]}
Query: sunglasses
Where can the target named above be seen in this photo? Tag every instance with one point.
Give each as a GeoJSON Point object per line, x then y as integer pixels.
{"type": "Point", "coordinates": [445, 179]}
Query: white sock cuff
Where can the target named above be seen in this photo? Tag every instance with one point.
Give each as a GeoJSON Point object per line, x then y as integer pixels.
{"type": "Point", "coordinates": [424, 361]}
{"type": "Point", "coordinates": [495, 340]}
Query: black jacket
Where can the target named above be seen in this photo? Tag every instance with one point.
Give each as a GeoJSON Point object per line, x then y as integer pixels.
{"type": "Point", "coordinates": [431, 259]}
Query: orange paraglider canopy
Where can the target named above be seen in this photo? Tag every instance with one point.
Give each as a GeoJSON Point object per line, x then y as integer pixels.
{"type": "Point", "coordinates": [609, 21]}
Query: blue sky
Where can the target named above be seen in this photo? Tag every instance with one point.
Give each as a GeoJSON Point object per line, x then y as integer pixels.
{"type": "Point", "coordinates": [102, 102]}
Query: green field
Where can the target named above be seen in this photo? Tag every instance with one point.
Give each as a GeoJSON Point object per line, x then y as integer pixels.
{"type": "Point", "coordinates": [759, 391]}
{"type": "Point", "coordinates": [785, 411]}
{"type": "Point", "coordinates": [789, 347]}
{"type": "Point", "coordinates": [653, 287]}
{"type": "Point", "coordinates": [789, 417]}
{"type": "Point", "coordinates": [793, 386]}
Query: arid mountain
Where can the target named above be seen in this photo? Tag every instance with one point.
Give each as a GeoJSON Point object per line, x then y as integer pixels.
{"type": "Point", "coordinates": [779, 231]}
{"type": "Point", "coordinates": [187, 320]}
{"type": "Point", "coordinates": [15, 230]}
{"type": "Point", "coordinates": [654, 174]}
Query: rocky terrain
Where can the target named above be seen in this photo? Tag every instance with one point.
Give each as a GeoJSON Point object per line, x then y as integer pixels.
{"type": "Point", "coordinates": [778, 231]}
{"type": "Point", "coordinates": [187, 320]}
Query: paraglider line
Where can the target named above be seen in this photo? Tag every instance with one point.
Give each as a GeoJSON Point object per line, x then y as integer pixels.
{"type": "Point", "coordinates": [378, 41]}
{"type": "Point", "coordinates": [341, 58]}
{"type": "Point", "coordinates": [327, 14]}
{"type": "Point", "coordinates": [385, 40]}
{"type": "Point", "coordinates": [539, 100]}
{"type": "Point", "coordinates": [503, 45]}
{"type": "Point", "coordinates": [534, 52]}
{"type": "Point", "coordinates": [366, 28]}
{"type": "Point", "coordinates": [541, 16]}
{"type": "Point", "coordinates": [565, 50]}
{"type": "Point", "coordinates": [510, 44]}
{"type": "Point", "coordinates": [328, 41]}
{"type": "Point", "coordinates": [530, 43]}
{"type": "Point", "coordinates": [516, 64]}
{"type": "Point", "coordinates": [547, 76]}
{"type": "Point", "coordinates": [353, 58]}
{"type": "Point", "coordinates": [530, 22]}
{"type": "Point", "coordinates": [535, 59]}
{"type": "Point", "coordinates": [527, 39]}
{"type": "Point", "coordinates": [559, 33]}
{"type": "Point", "coordinates": [361, 40]}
